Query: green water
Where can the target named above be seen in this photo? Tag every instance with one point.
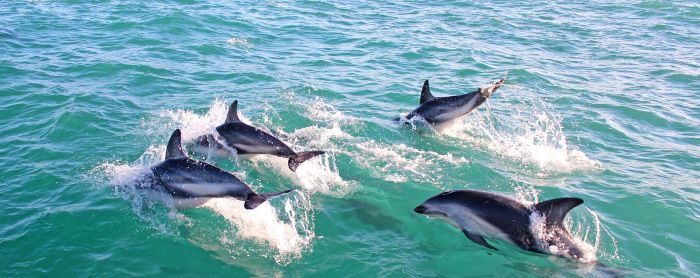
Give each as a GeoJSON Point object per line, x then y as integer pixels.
{"type": "Point", "coordinates": [601, 103]}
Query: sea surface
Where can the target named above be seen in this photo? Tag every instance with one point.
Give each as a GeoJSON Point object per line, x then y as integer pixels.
{"type": "Point", "coordinates": [601, 102]}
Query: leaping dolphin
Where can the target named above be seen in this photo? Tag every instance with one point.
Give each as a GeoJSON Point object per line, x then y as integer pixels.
{"type": "Point", "coordinates": [442, 110]}
{"type": "Point", "coordinates": [249, 140]}
{"type": "Point", "coordinates": [185, 178]}
{"type": "Point", "coordinates": [480, 214]}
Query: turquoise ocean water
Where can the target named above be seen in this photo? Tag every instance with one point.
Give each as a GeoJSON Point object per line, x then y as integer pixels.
{"type": "Point", "coordinates": [601, 102]}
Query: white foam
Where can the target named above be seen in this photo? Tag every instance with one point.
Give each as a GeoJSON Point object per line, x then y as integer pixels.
{"type": "Point", "coordinates": [528, 132]}
{"type": "Point", "coordinates": [288, 231]}
{"type": "Point", "coordinates": [243, 42]}
{"type": "Point", "coordinates": [543, 236]}
{"type": "Point", "coordinates": [319, 174]}
{"type": "Point", "coordinates": [192, 124]}
{"type": "Point", "coordinates": [587, 231]}
{"type": "Point", "coordinates": [392, 161]}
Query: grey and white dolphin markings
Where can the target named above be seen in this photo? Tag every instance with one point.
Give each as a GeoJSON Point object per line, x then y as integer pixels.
{"type": "Point", "coordinates": [249, 140]}
{"type": "Point", "coordinates": [183, 177]}
{"type": "Point", "coordinates": [480, 214]}
{"type": "Point", "coordinates": [442, 110]}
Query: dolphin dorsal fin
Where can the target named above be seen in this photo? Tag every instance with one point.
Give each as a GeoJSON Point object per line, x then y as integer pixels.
{"type": "Point", "coordinates": [174, 149]}
{"type": "Point", "coordinates": [232, 115]}
{"type": "Point", "coordinates": [556, 209]}
{"type": "Point", "coordinates": [425, 94]}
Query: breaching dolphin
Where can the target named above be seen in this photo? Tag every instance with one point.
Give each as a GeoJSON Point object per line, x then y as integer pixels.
{"type": "Point", "coordinates": [480, 214]}
{"type": "Point", "coordinates": [249, 140]}
{"type": "Point", "coordinates": [185, 178]}
{"type": "Point", "coordinates": [442, 110]}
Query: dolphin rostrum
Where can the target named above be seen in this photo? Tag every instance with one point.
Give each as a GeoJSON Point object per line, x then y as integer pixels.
{"type": "Point", "coordinates": [479, 214]}
{"type": "Point", "coordinates": [186, 178]}
{"type": "Point", "coordinates": [442, 110]}
{"type": "Point", "coordinates": [249, 140]}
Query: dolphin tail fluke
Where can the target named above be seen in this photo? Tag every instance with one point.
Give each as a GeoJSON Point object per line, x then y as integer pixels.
{"type": "Point", "coordinates": [486, 92]}
{"type": "Point", "coordinates": [299, 158]}
{"type": "Point", "coordinates": [254, 201]}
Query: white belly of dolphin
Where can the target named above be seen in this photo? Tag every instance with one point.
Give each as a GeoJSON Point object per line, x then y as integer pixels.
{"type": "Point", "coordinates": [456, 113]}
{"type": "Point", "coordinates": [467, 220]}
{"type": "Point", "coordinates": [214, 152]}
{"type": "Point", "coordinates": [256, 149]}
{"type": "Point", "coordinates": [204, 189]}
{"type": "Point", "coordinates": [186, 203]}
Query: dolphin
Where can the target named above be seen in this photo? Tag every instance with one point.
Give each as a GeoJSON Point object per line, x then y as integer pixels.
{"type": "Point", "coordinates": [248, 140]}
{"type": "Point", "coordinates": [186, 178]}
{"type": "Point", "coordinates": [443, 110]}
{"type": "Point", "coordinates": [479, 214]}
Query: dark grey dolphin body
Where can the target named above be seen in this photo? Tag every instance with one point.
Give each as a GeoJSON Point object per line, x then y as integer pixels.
{"type": "Point", "coordinates": [182, 177]}
{"type": "Point", "coordinates": [441, 110]}
{"type": "Point", "coordinates": [480, 214]}
{"type": "Point", "coordinates": [249, 140]}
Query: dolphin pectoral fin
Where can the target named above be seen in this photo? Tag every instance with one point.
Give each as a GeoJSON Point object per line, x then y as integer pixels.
{"type": "Point", "coordinates": [232, 115]}
{"type": "Point", "coordinates": [254, 200]}
{"type": "Point", "coordinates": [425, 94]}
{"type": "Point", "coordinates": [478, 240]}
{"type": "Point", "coordinates": [608, 271]}
{"type": "Point", "coordinates": [297, 159]}
{"type": "Point", "coordinates": [174, 148]}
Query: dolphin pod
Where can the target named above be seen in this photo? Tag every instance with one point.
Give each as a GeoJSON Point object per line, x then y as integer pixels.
{"type": "Point", "coordinates": [478, 214]}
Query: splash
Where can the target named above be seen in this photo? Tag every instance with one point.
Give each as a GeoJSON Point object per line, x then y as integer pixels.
{"type": "Point", "coordinates": [587, 231]}
{"type": "Point", "coordinates": [319, 174]}
{"type": "Point", "coordinates": [528, 132]}
{"type": "Point", "coordinates": [267, 225]}
{"type": "Point", "coordinates": [242, 42]}
{"type": "Point", "coordinates": [544, 237]}
{"type": "Point", "coordinates": [192, 124]}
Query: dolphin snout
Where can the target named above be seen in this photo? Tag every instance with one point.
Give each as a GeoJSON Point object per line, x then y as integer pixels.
{"type": "Point", "coordinates": [420, 209]}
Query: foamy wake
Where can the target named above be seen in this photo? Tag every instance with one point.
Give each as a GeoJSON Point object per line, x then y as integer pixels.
{"type": "Point", "coordinates": [401, 161]}
{"type": "Point", "coordinates": [390, 162]}
{"type": "Point", "coordinates": [527, 132]}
